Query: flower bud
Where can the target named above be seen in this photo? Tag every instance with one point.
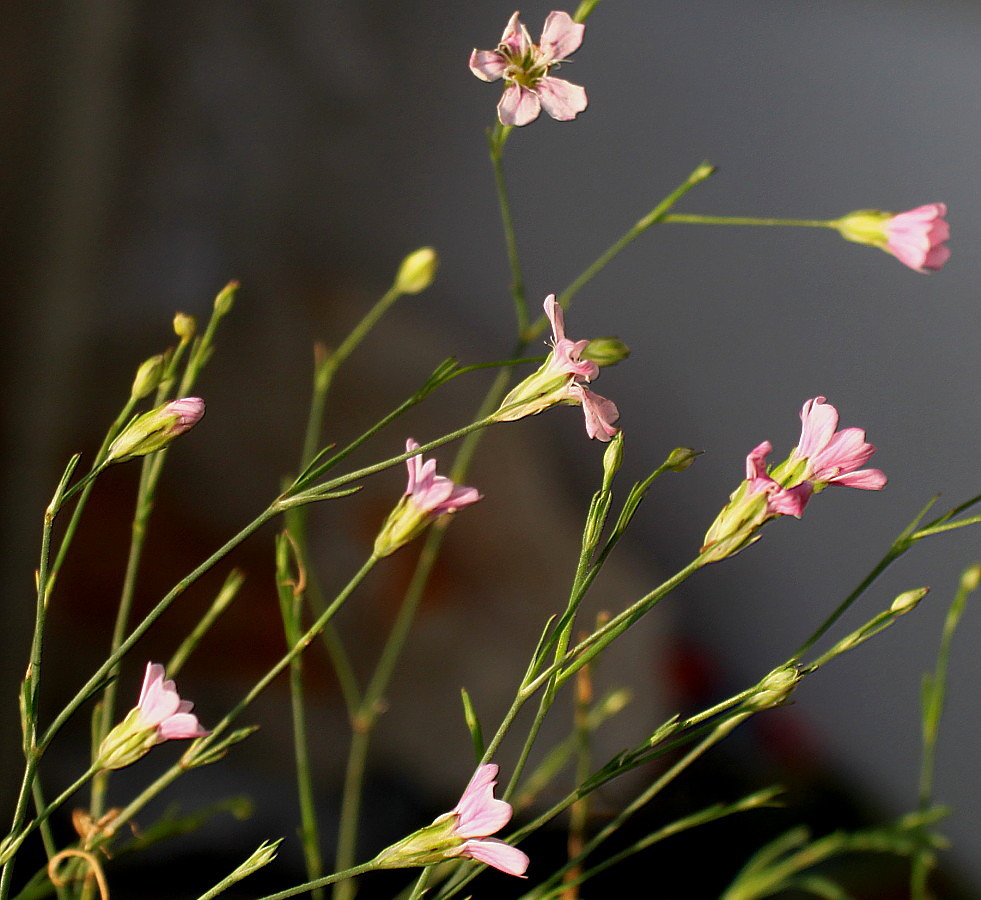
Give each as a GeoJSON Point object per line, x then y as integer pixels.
{"type": "Point", "coordinates": [605, 351]}
{"type": "Point", "coordinates": [970, 578]}
{"type": "Point", "coordinates": [185, 326]}
{"type": "Point", "coordinates": [908, 600]}
{"type": "Point", "coordinates": [417, 271]}
{"type": "Point", "coordinates": [613, 458]}
{"type": "Point", "coordinates": [775, 689]}
{"type": "Point", "coordinates": [681, 458]}
{"type": "Point", "coordinates": [225, 298]}
{"type": "Point", "coordinates": [155, 429]}
{"type": "Point", "coordinates": [147, 378]}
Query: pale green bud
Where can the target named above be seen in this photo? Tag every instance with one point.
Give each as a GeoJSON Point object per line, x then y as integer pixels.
{"type": "Point", "coordinates": [908, 600]}
{"type": "Point", "coordinates": [185, 326]}
{"type": "Point", "coordinates": [681, 458]}
{"type": "Point", "coordinates": [605, 351]}
{"type": "Point", "coordinates": [775, 689]}
{"type": "Point", "coordinates": [971, 578]}
{"type": "Point", "coordinates": [147, 378]}
{"type": "Point", "coordinates": [612, 458]}
{"type": "Point", "coordinates": [417, 271]}
{"type": "Point", "coordinates": [226, 298]}
{"type": "Point", "coordinates": [129, 741]}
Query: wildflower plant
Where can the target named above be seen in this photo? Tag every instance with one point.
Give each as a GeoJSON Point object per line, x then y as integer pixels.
{"type": "Point", "coordinates": [555, 785]}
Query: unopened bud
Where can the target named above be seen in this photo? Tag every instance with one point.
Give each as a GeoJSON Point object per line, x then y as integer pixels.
{"type": "Point", "coordinates": [681, 458]}
{"type": "Point", "coordinates": [147, 378]}
{"type": "Point", "coordinates": [775, 689]}
{"type": "Point", "coordinates": [185, 326]}
{"type": "Point", "coordinates": [155, 429]}
{"type": "Point", "coordinates": [605, 351]}
{"type": "Point", "coordinates": [971, 578]}
{"type": "Point", "coordinates": [612, 458]}
{"type": "Point", "coordinates": [908, 600]}
{"type": "Point", "coordinates": [225, 298]}
{"type": "Point", "coordinates": [417, 271]}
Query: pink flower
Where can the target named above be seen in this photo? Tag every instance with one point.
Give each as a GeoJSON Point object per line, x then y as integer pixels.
{"type": "Point", "coordinates": [823, 456]}
{"type": "Point", "coordinates": [561, 379]}
{"type": "Point", "coordinates": [433, 494]}
{"type": "Point", "coordinates": [159, 715]}
{"type": "Point", "coordinates": [525, 67]}
{"type": "Point", "coordinates": [427, 497]}
{"type": "Point", "coordinates": [161, 707]}
{"type": "Point", "coordinates": [917, 237]}
{"type": "Point", "coordinates": [834, 457]}
{"type": "Point", "coordinates": [479, 815]}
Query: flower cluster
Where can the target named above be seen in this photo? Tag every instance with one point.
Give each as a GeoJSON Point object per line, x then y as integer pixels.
{"type": "Point", "coordinates": [427, 497]}
{"type": "Point", "coordinates": [159, 715]}
{"type": "Point", "coordinates": [463, 832]}
{"type": "Point", "coordinates": [916, 237]}
{"type": "Point", "coordinates": [562, 378]}
{"type": "Point", "coordinates": [822, 457]}
{"type": "Point", "coordinates": [525, 67]}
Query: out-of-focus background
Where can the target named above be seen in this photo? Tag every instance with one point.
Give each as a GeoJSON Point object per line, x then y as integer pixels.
{"type": "Point", "coordinates": [151, 152]}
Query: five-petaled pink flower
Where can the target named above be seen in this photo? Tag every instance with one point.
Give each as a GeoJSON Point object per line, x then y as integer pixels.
{"type": "Point", "coordinates": [917, 237]}
{"type": "Point", "coordinates": [525, 67]}
{"type": "Point", "coordinates": [562, 379]}
{"type": "Point", "coordinates": [427, 497]}
{"type": "Point", "coordinates": [479, 815]}
{"type": "Point", "coordinates": [159, 715]}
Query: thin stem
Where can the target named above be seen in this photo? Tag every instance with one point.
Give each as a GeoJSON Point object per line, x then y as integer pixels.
{"type": "Point", "coordinates": [322, 882]}
{"type": "Point", "coordinates": [687, 219]}
{"type": "Point", "coordinates": [496, 140]}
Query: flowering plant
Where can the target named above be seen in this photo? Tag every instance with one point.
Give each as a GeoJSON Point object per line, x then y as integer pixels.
{"type": "Point", "coordinates": [545, 790]}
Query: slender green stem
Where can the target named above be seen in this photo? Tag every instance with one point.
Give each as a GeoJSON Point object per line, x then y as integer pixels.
{"type": "Point", "coordinates": [686, 219]}
{"type": "Point", "coordinates": [13, 843]}
{"type": "Point", "coordinates": [322, 882]}
{"type": "Point", "coordinates": [497, 136]}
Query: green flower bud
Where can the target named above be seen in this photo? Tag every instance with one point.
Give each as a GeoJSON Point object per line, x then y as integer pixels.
{"type": "Point", "coordinates": [147, 378]}
{"type": "Point", "coordinates": [417, 271]}
{"type": "Point", "coordinates": [185, 326]}
{"type": "Point", "coordinates": [605, 351]}
{"type": "Point", "coordinates": [908, 600]}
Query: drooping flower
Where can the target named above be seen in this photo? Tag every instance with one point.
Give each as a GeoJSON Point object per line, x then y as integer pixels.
{"type": "Point", "coordinates": [823, 456]}
{"type": "Point", "coordinates": [464, 831]}
{"type": "Point", "coordinates": [159, 715]}
{"type": "Point", "coordinates": [427, 497]}
{"type": "Point", "coordinates": [525, 67]}
{"type": "Point", "coordinates": [916, 237]}
{"type": "Point", "coordinates": [560, 380]}
{"type": "Point", "coordinates": [155, 429]}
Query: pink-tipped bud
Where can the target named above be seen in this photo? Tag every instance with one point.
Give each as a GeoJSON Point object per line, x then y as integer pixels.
{"type": "Point", "coordinates": [155, 429]}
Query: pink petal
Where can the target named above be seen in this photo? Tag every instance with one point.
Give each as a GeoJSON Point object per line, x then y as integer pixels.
{"type": "Point", "coordinates": [160, 702]}
{"type": "Point", "coordinates": [916, 237]}
{"type": "Point", "coordinates": [556, 317]}
{"type": "Point", "coordinates": [562, 100]}
{"type": "Point", "coordinates": [846, 451]}
{"type": "Point", "coordinates": [516, 38]}
{"type": "Point", "coordinates": [561, 36]}
{"type": "Point", "coordinates": [866, 479]}
{"type": "Point", "coordinates": [599, 412]}
{"type": "Point", "coordinates": [790, 501]}
{"type": "Point", "coordinates": [154, 673]}
{"type": "Point", "coordinates": [496, 853]}
{"type": "Point", "coordinates": [487, 65]}
{"type": "Point", "coordinates": [479, 814]}
{"type": "Point", "coordinates": [180, 726]}
{"type": "Point", "coordinates": [414, 465]}
{"type": "Point", "coordinates": [936, 258]}
{"type": "Point", "coordinates": [756, 462]}
{"type": "Point", "coordinates": [518, 106]}
{"type": "Point", "coordinates": [820, 419]}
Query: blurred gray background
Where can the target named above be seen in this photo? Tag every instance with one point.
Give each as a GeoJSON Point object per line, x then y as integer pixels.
{"type": "Point", "coordinates": [154, 151]}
